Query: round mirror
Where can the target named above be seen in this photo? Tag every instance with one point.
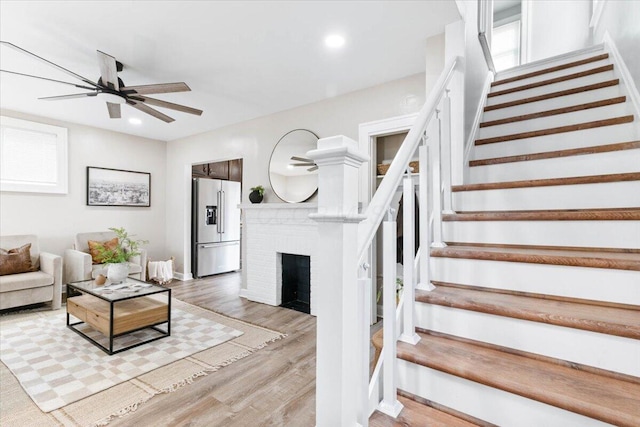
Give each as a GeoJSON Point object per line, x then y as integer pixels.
{"type": "Point", "coordinates": [293, 176]}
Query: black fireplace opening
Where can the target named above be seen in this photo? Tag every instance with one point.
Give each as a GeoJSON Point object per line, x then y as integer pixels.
{"type": "Point", "coordinates": [296, 282]}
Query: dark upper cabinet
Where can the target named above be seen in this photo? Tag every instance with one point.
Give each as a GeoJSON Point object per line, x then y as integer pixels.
{"type": "Point", "coordinates": [219, 170]}
{"type": "Point", "coordinates": [200, 170]}
{"type": "Point", "coordinates": [231, 170]}
{"type": "Point", "coordinates": [235, 170]}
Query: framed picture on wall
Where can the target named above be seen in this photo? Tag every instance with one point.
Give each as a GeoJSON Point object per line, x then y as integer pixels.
{"type": "Point", "coordinates": [115, 187]}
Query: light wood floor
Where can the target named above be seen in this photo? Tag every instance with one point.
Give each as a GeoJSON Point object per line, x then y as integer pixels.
{"type": "Point", "coordinates": [273, 387]}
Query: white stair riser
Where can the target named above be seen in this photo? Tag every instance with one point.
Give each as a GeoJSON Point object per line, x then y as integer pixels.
{"type": "Point", "coordinates": [562, 141]}
{"type": "Point", "coordinates": [583, 196]}
{"type": "Point", "coordinates": [554, 87]}
{"type": "Point", "coordinates": [602, 351]}
{"type": "Point", "coordinates": [584, 116]}
{"type": "Point", "coordinates": [553, 75]}
{"type": "Point", "coordinates": [553, 103]}
{"type": "Point", "coordinates": [489, 404]}
{"type": "Point", "coordinates": [622, 161]}
{"type": "Point", "coordinates": [596, 284]}
{"type": "Point", "coordinates": [551, 62]}
{"type": "Point", "coordinates": [594, 234]}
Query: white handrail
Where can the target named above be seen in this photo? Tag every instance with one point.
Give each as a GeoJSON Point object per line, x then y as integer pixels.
{"type": "Point", "coordinates": [382, 198]}
{"type": "Point", "coordinates": [483, 13]}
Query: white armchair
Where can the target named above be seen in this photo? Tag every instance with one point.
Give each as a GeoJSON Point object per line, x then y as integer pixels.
{"type": "Point", "coordinates": [78, 263]}
{"type": "Point", "coordinates": [42, 285]}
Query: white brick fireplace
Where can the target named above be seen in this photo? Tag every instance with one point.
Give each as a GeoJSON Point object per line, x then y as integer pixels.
{"type": "Point", "coordinates": [269, 230]}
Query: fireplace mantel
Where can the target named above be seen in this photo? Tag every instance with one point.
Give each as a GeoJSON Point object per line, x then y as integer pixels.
{"type": "Point", "coordinates": [269, 230]}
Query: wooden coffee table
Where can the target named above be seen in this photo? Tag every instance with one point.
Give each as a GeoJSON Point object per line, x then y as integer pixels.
{"type": "Point", "coordinates": [117, 310]}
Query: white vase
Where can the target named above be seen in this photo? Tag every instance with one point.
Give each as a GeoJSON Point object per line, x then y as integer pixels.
{"type": "Point", "coordinates": [116, 273]}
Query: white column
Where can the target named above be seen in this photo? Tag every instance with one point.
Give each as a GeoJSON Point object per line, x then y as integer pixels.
{"type": "Point", "coordinates": [338, 353]}
{"type": "Point", "coordinates": [408, 249]}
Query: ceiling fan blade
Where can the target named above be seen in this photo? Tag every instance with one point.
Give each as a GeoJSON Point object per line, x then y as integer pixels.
{"type": "Point", "coordinates": [312, 169]}
{"type": "Point", "coordinates": [114, 110]}
{"type": "Point", "coordinates": [45, 78]}
{"type": "Point", "coordinates": [302, 159]}
{"type": "Point", "coordinates": [303, 164]}
{"type": "Point", "coordinates": [146, 109]}
{"type": "Point", "coordinates": [157, 88]}
{"type": "Point", "coordinates": [33, 55]}
{"type": "Point", "coordinates": [108, 70]}
{"type": "Point", "coordinates": [73, 96]}
{"type": "Point", "coordinates": [170, 105]}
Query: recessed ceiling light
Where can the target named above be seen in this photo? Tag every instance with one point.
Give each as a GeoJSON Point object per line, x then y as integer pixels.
{"type": "Point", "coordinates": [334, 41]}
{"type": "Point", "coordinates": [135, 121]}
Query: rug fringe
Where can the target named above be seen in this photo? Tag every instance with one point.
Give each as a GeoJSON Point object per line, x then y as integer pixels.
{"type": "Point", "coordinates": [189, 380]}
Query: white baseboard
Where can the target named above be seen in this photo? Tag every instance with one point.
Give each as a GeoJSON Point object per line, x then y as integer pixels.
{"type": "Point", "coordinates": [624, 72]}
{"type": "Point", "coordinates": [468, 149]}
{"type": "Point", "coordinates": [182, 276]}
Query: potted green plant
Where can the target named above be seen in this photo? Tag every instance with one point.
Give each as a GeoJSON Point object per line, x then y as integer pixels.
{"type": "Point", "coordinates": [117, 257]}
{"type": "Point", "coordinates": [257, 193]}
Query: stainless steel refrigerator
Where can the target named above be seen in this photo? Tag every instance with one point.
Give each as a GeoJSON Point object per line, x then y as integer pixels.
{"type": "Point", "coordinates": [215, 226]}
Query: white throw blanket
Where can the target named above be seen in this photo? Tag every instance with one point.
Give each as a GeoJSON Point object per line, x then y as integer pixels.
{"type": "Point", "coordinates": [161, 271]}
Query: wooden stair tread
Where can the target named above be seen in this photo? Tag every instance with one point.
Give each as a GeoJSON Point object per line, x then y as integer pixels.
{"type": "Point", "coordinates": [632, 214]}
{"type": "Point", "coordinates": [557, 130]}
{"type": "Point", "coordinates": [547, 182]}
{"type": "Point", "coordinates": [607, 320]}
{"type": "Point", "coordinates": [417, 414]}
{"type": "Point", "coordinates": [585, 73]}
{"type": "Point", "coordinates": [551, 95]}
{"type": "Point", "coordinates": [559, 153]}
{"type": "Point", "coordinates": [622, 259]}
{"type": "Point", "coordinates": [596, 396]}
{"type": "Point", "coordinates": [551, 69]}
{"type": "Point", "coordinates": [564, 110]}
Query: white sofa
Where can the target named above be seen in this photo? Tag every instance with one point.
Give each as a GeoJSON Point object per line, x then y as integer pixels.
{"type": "Point", "coordinates": [78, 264]}
{"type": "Point", "coordinates": [43, 285]}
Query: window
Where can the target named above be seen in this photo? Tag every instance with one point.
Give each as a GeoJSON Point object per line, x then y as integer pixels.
{"type": "Point", "coordinates": [505, 45]}
{"type": "Point", "coordinates": [33, 157]}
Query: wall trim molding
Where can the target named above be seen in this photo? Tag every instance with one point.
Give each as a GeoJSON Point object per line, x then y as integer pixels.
{"type": "Point", "coordinates": [468, 149]}
{"type": "Point", "coordinates": [623, 70]}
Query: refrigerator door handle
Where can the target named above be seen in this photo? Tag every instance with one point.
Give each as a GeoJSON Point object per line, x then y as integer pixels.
{"type": "Point", "coordinates": [219, 213]}
{"type": "Point", "coordinates": [223, 215]}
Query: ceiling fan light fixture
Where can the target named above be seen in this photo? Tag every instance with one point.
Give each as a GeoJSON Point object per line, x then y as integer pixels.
{"type": "Point", "coordinates": [135, 121]}
{"type": "Point", "coordinates": [111, 97]}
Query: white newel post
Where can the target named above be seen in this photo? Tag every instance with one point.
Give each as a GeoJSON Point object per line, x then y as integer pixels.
{"type": "Point", "coordinates": [338, 376]}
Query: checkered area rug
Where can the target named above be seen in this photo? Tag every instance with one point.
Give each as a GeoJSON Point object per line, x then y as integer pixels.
{"type": "Point", "coordinates": [56, 366]}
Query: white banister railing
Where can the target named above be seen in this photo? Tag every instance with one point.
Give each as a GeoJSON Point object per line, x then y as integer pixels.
{"type": "Point", "coordinates": [345, 395]}
{"type": "Point", "coordinates": [382, 198]}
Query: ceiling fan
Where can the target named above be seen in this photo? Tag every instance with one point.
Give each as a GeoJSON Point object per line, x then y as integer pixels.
{"type": "Point", "coordinates": [304, 162]}
{"type": "Point", "coordinates": [112, 89]}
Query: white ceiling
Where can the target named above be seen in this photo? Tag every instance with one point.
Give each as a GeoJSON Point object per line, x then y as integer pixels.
{"type": "Point", "coordinates": [242, 59]}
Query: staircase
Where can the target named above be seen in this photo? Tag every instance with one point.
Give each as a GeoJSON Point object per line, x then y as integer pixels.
{"type": "Point", "coordinates": [535, 319]}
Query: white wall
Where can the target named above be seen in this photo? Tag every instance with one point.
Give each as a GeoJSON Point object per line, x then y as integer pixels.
{"type": "Point", "coordinates": [557, 27]}
{"type": "Point", "coordinates": [621, 19]}
{"type": "Point", "coordinates": [434, 63]}
{"type": "Point", "coordinates": [254, 140]}
{"type": "Point", "coordinates": [56, 218]}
